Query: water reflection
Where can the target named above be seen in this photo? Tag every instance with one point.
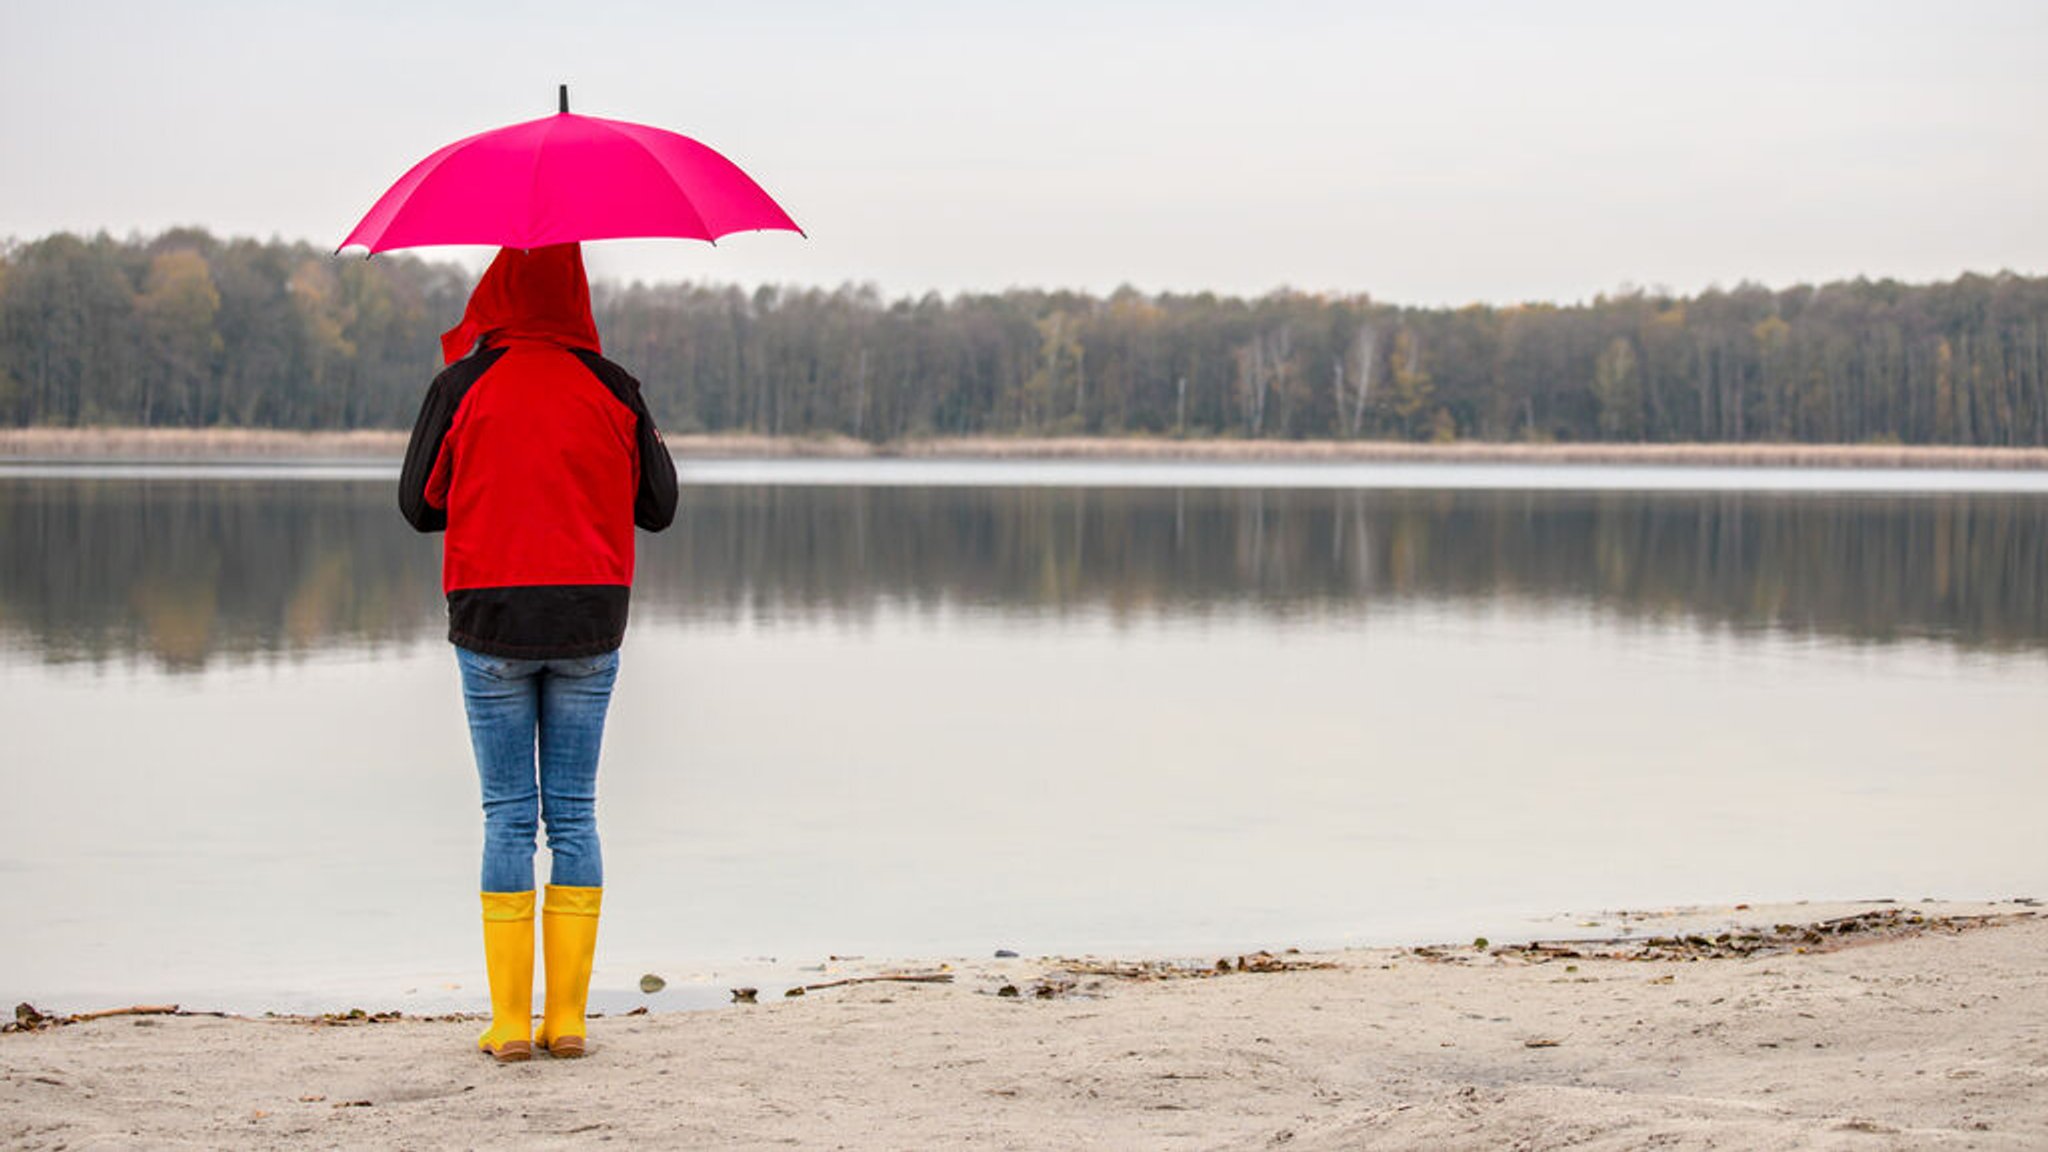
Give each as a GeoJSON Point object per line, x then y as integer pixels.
{"type": "Point", "coordinates": [183, 571]}
{"type": "Point", "coordinates": [1968, 568]}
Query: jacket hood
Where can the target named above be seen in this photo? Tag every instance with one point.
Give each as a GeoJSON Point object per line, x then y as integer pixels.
{"type": "Point", "coordinates": [527, 294]}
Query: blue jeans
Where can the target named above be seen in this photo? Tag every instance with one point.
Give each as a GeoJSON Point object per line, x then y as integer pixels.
{"type": "Point", "coordinates": [557, 707]}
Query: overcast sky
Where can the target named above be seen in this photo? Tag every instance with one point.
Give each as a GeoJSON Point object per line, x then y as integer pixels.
{"type": "Point", "coordinates": [1425, 152]}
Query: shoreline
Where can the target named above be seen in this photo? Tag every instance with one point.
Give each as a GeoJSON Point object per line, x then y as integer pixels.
{"type": "Point", "coordinates": [1893, 1026]}
{"type": "Point", "coordinates": [183, 445]}
{"type": "Point", "coordinates": [1676, 932]}
{"type": "Point", "coordinates": [1681, 932]}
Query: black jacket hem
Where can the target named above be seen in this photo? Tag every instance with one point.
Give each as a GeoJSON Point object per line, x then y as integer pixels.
{"type": "Point", "coordinates": [539, 621]}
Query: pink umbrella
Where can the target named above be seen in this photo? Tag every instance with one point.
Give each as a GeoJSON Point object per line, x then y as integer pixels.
{"type": "Point", "coordinates": [566, 178]}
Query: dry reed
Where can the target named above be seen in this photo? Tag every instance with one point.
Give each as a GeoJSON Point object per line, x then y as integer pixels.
{"type": "Point", "coordinates": [198, 444]}
{"type": "Point", "coordinates": [181, 444]}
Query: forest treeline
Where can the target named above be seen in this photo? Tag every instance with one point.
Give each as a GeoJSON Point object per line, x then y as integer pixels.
{"type": "Point", "coordinates": [188, 330]}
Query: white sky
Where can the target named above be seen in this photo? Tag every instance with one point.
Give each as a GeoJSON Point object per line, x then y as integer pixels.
{"type": "Point", "coordinates": [1424, 152]}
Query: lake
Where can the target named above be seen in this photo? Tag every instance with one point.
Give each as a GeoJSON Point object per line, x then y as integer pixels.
{"type": "Point", "coordinates": [923, 709]}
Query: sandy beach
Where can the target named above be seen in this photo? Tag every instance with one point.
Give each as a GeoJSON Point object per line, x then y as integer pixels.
{"type": "Point", "coordinates": [1867, 1026]}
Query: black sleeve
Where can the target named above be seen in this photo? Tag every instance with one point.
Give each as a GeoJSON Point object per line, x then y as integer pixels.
{"type": "Point", "coordinates": [654, 505]}
{"type": "Point", "coordinates": [437, 412]}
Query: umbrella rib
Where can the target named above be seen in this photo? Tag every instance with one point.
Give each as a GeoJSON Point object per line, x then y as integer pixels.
{"type": "Point", "coordinates": [415, 176]}
{"type": "Point", "coordinates": [533, 175]}
{"type": "Point", "coordinates": [651, 154]}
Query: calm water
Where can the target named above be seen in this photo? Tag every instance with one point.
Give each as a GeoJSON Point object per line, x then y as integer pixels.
{"type": "Point", "coordinates": [877, 711]}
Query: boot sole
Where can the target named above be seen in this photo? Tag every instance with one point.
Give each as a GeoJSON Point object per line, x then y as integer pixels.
{"type": "Point", "coordinates": [564, 1047]}
{"type": "Point", "coordinates": [510, 1052]}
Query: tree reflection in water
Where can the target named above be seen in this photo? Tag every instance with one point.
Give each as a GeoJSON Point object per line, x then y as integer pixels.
{"type": "Point", "coordinates": [182, 572]}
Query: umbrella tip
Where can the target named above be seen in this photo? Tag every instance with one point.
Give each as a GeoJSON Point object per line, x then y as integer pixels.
{"type": "Point", "coordinates": [564, 93]}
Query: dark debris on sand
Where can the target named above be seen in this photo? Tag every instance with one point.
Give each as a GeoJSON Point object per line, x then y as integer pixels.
{"type": "Point", "coordinates": [1734, 944]}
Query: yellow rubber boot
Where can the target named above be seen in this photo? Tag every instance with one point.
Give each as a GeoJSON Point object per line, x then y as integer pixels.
{"type": "Point", "coordinates": [508, 958]}
{"type": "Point", "coordinates": [568, 939]}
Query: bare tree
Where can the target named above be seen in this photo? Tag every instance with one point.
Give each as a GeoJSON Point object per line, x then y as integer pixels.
{"type": "Point", "coordinates": [860, 394]}
{"type": "Point", "coordinates": [1254, 379]}
{"type": "Point", "coordinates": [1352, 378]}
{"type": "Point", "coordinates": [1267, 360]}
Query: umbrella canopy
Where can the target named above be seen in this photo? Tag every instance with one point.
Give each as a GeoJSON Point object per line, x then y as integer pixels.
{"type": "Point", "coordinates": [566, 178]}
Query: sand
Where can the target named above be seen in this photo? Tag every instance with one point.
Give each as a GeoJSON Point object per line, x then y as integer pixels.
{"type": "Point", "coordinates": [1915, 1037]}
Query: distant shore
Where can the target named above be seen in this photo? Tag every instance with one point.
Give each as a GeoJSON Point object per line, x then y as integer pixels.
{"type": "Point", "coordinates": [1878, 1025]}
{"type": "Point", "coordinates": [246, 444]}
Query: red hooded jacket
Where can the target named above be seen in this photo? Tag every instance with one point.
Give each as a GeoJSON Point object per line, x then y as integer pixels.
{"type": "Point", "coordinates": [537, 456]}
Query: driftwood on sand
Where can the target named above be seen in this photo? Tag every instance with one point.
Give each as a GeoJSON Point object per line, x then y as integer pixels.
{"type": "Point", "coordinates": [940, 977]}
{"type": "Point", "coordinates": [27, 1018]}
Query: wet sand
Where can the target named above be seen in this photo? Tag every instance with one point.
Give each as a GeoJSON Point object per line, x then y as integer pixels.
{"type": "Point", "coordinates": [1928, 1029]}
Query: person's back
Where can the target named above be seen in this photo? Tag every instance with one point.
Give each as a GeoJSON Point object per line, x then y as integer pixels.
{"type": "Point", "coordinates": [537, 457]}
{"type": "Point", "coordinates": [543, 494]}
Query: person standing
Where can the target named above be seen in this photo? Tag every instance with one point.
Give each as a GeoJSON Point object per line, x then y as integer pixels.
{"type": "Point", "coordinates": [537, 458]}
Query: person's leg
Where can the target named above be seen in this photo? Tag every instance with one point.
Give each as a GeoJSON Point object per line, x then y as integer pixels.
{"type": "Point", "coordinates": [575, 695]}
{"type": "Point", "coordinates": [502, 699]}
